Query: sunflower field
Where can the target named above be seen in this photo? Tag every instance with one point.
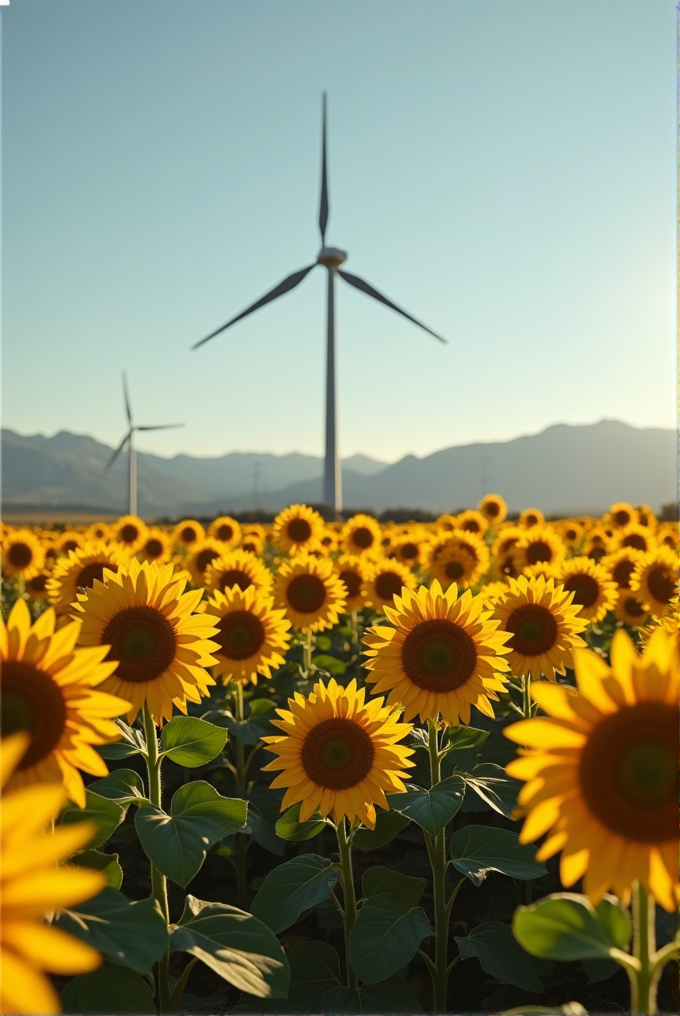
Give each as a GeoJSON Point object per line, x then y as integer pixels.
{"type": "Point", "coordinates": [341, 767]}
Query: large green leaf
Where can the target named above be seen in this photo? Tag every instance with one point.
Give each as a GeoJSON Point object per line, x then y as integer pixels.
{"type": "Point", "coordinates": [404, 889]}
{"type": "Point", "coordinates": [105, 814]}
{"type": "Point", "coordinates": [462, 738]}
{"type": "Point", "coordinates": [108, 991]}
{"type": "Point", "coordinates": [385, 937]}
{"type": "Point", "coordinates": [132, 743]}
{"type": "Point", "coordinates": [314, 970]}
{"type": "Point", "coordinates": [388, 824]}
{"type": "Point", "coordinates": [566, 926]}
{"type": "Point", "coordinates": [199, 817]}
{"type": "Point", "coordinates": [494, 787]}
{"type": "Point", "coordinates": [331, 664]}
{"type": "Point", "coordinates": [500, 955]}
{"type": "Point", "coordinates": [191, 742]}
{"type": "Point", "coordinates": [264, 810]}
{"type": "Point", "coordinates": [124, 786]}
{"type": "Point", "coordinates": [431, 809]}
{"type": "Point", "coordinates": [293, 887]}
{"type": "Point", "coordinates": [108, 863]}
{"type": "Point", "coordinates": [476, 850]}
{"type": "Point", "coordinates": [289, 826]}
{"type": "Point", "coordinates": [236, 945]}
{"type": "Point", "coordinates": [133, 934]}
{"type": "Point", "coordinates": [388, 997]}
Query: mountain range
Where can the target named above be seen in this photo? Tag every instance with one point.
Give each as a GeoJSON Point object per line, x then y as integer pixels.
{"type": "Point", "coordinates": [563, 469]}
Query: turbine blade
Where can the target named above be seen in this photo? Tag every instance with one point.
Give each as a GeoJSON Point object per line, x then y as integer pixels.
{"type": "Point", "coordinates": [162, 426]}
{"type": "Point", "coordinates": [283, 287]}
{"type": "Point", "coordinates": [128, 411]}
{"type": "Point", "coordinates": [364, 287]}
{"type": "Point", "coordinates": [323, 204]}
{"type": "Point", "coordinates": [118, 451]}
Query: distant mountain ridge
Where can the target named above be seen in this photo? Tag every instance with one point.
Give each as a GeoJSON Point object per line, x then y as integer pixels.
{"type": "Point", "coordinates": [566, 469]}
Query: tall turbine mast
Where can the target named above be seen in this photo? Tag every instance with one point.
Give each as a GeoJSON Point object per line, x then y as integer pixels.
{"type": "Point", "coordinates": [331, 258]}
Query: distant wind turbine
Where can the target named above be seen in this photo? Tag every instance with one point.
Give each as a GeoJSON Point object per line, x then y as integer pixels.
{"type": "Point", "coordinates": [331, 258]}
{"type": "Point", "coordinates": [132, 455]}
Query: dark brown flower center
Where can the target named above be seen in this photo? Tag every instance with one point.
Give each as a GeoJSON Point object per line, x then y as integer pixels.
{"type": "Point", "coordinates": [20, 555]}
{"type": "Point", "coordinates": [154, 547]}
{"type": "Point", "coordinates": [32, 701]}
{"type": "Point", "coordinates": [628, 772]}
{"type": "Point", "coordinates": [471, 526]}
{"type": "Point", "coordinates": [636, 540]}
{"type": "Point", "coordinates": [225, 532]}
{"type": "Point", "coordinates": [68, 545]}
{"type": "Point", "coordinates": [388, 584]}
{"type": "Point", "coordinates": [204, 557]}
{"type": "Point", "coordinates": [439, 656]}
{"type": "Point", "coordinates": [634, 607]}
{"type": "Point", "coordinates": [188, 534]}
{"type": "Point", "coordinates": [596, 553]}
{"type": "Point", "coordinates": [95, 570]}
{"type": "Point", "coordinates": [306, 593]}
{"type": "Point", "coordinates": [454, 570]}
{"type": "Point", "coordinates": [337, 754]}
{"type": "Point", "coordinates": [352, 583]}
{"type": "Point", "coordinates": [38, 583]}
{"type": "Point", "coordinates": [492, 509]}
{"type": "Point", "coordinates": [534, 630]}
{"type": "Point", "coordinates": [363, 537]}
{"type": "Point", "coordinates": [299, 530]}
{"type": "Point", "coordinates": [622, 572]}
{"type": "Point", "coordinates": [622, 517]}
{"type": "Point", "coordinates": [240, 634]}
{"type": "Point", "coordinates": [235, 577]}
{"type": "Point", "coordinates": [539, 551]}
{"type": "Point", "coordinates": [661, 583]}
{"type": "Point", "coordinates": [409, 551]}
{"type": "Point", "coordinates": [531, 520]}
{"type": "Point", "coordinates": [128, 533]}
{"type": "Point", "coordinates": [143, 641]}
{"type": "Point", "coordinates": [585, 588]}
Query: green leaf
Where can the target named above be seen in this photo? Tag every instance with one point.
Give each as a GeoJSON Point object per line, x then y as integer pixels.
{"type": "Point", "coordinates": [500, 955]}
{"type": "Point", "coordinates": [236, 945]}
{"type": "Point", "coordinates": [600, 970]}
{"type": "Point", "coordinates": [385, 937]}
{"type": "Point", "coordinates": [402, 889]}
{"type": "Point", "coordinates": [330, 664]}
{"type": "Point", "coordinates": [388, 824]}
{"type": "Point", "coordinates": [199, 817]}
{"type": "Point", "coordinates": [388, 997]}
{"type": "Point", "coordinates": [264, 810]}
{"type": "Point", "coordinates": [107, 816]}
{"type": "Point", "coordinates": [124, 786]}
{"type": "Point", "coordinates": [566, 926]}
{"type": "Point", "coordinates": [261, 706]}
{"type": "Point", "coordinates": [494, 787]}
{"type": "Point", "coordinates": [323, 643]}
{"type": "Point", "coordinates": [109, 990]}
{"type": "Point", "coordinates": [314, 970]}
{"type": "Point", "coordinates": [108, 863]}
{"type": "Point", "coordinates": [191, 742]}
{"type": "Point", "coordinates": [476, 850]}
{"type": "Point", "coordinates": [133, 934]}
{"type": "Point", "coordinates": [289, 826]}
{"type": "Point", "coordinates": [431, 809]}
{"type": "Point", "coordinates": [115, 752]}
{"type": "Point", "coordinates": [294, 886]}
{"type": "Point", "coordinates": [461, 738]}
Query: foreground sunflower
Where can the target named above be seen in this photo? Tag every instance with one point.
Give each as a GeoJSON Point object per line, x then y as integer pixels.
{"type": "Point", "coordinates": [601, 771]}
{"type": "Point", "coordinates": [161, 646]}
{"type": "Point", "coordinates": [655, 580]}
{"type": "Point", "coordinates": [361, 535]}
{"type": "Point", "coordinates": [32, 885]}
{"type": "Point", "coordinates": [252, 637]}
{"type": "Point", "coordinates": [56, 693]}
{"type": "Point", "coordinates": [387, 579]}
{"type": "Point", "coordinates": [442, 656]}
{"type": "Point", "coordinates": [311, 592]}
{"type": "Point", "coordinates": [339, 754]}
{"type": "Point", "coordinates": [22, 554]}
{"type": "Point", "coordinates": [297, 528]}
{"type": "Point", "coordinates": [594, 590]}
{"type": "Point", "coordinates": [79, 570]}
{"type": "Point", "coordinates": [543, 626]}
{"type": "Point", "coordinates": [237, 568]}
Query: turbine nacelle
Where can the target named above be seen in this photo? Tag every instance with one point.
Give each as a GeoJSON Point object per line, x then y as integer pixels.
{"type": "Point", "coordinates": [331, 257]}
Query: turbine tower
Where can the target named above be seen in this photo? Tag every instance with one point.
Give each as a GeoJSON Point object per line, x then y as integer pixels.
{"type": "Point", "coordinates": [132, 455]}
{"type": "Point", "coordinates": [330, 258]}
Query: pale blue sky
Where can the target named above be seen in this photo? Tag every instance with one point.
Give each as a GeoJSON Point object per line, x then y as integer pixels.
{"type": "Point", "coordinates": [504, 169]}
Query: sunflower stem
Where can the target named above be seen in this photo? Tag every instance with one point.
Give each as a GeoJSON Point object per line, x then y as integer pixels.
{"type": "Point", "coordinates": [240, 780]}
{"type": "Point", "coordinates": [348, 894]}
{"type": "Point", "coordinates": [643, 981]}
{"type": "Point", "coordinates": [307, 650]}
{"type": "Point", "coordinates": [437, 854]}
{"type": "Point", "coordinates": [159, 885]}
{"type": "Point", "coordinates": [355, 627]}
{"type": "Point", "coordinates": [526, 696]}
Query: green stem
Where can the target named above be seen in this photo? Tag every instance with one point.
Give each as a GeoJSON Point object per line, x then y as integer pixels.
{"type": "Point", "coordinates": [355, 627]}
{"type": "Point", "coordinates": [240, 779]}
{"type": "Point", "coordinates": [159, 886]}
{"type": "Point", "coordinates": [348, 894]}
{"type": "Point", "coordinates": [437, 853]}
{"type": "Point", "coordinates": [643, 981]}
{"type": "Point", "coordinates": [307, 650]}
{"type": "Point", "coordinates": [180, 987]}
{"type": "Point", "coordinates": [526, 697]}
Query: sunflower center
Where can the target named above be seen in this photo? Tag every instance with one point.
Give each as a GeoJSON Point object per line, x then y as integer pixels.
{"type": "Point", "coordinates": [531, 520]}
{"type": "Point", "coordinates": [388, 585]}
{"type": "Point", "coordinates": [660, 583]}
{"type": "Point", "coordinates": [634, 607]}
{"type": "Point", "coordinates": [240, 634]}
{"type": "Point", "coordinates": [409, 551]}
{"type": "Point", "coordinates": [492, 509]}
{"type": "Point", "coordinates": [225, 533]}
{"type": "Point", "coordinates": [636, 540]}
{"type": "Point", "coordinates": [352, 582]}
{"type": "Point", "coordinates": [88, 574]}
{"type": "Point", "coordinates": [69, 545]}
{"type": "Point", "coordinates": [534, 630]}
{"type": "Point", "coordinates": [204, 557]}
{"type": "Point", "coordinates": [20, 555]}
{"type": "Point", "coordinates": [471, 526]}
{"type": "Point", "coordinates": [154, 547]}
{"type": "Point", "coordinates": [306, 593]}
{"type": "Point", "coordinates": [622, 572]}
{"type": "Point", "coordinates": [129, 533]}
{"type": "Point", "coordinates": [234, 577]}
{"type": "Point", "coordinates": [539, 551]}
{"type": "Point", "coordinates": [454, 570]}
{"type": "Point", "coordinates": [622, 517]}
{"type": "Point", "coordinates": [629, 775]}
{"type": "Point", "coordinates": [188, 534]}
{"type": "Point", "coordinates": [439, 656]}
{"type": "Point", "coordinates": [32, 701]}
{"type": "Point", "coordinates": [337, 754]}
{"type": "Point", "coordinates": [299, 530]}
{"type": "Point", "coordinates": [143, 641]}
{"type": "Point", "coordinates": [585, 588]}
{"type": "Point", "coordinates": [38, 583]}
{"type": "Point", "coordinates": [362, 537]}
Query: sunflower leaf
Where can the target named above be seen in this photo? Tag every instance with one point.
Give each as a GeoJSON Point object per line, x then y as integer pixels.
{"type": "Point", "coordinates": [387, 825]}
{"type": "Point", "coordinates": [370, 998]}
{"type": "Point", "coordinates": [110, 989]}
{"type": "Point", "coordinates": [289, 826]}
{"type": "Point", "coordinates": [431, 809]}
{"type": "Point", "coordinates": [191, 742]}
{"type": "Point", "coordinates": [566, 926]}
{"type": "Point", "coordinates": [124, 786]}
{"type": "Point", "coordinates": [404, 889]}
{"type": "Point", "coordinates": [461, 738]}
{"type": "Point", "coordinates": [331, 664]}
{"type": "Point", "coordinates": [494, 787]}
{"type": "Point", "coordinates": [293, 887]}
{"type": "Point", "coordinates": [108, 863]}
{"type": "Point", "coordinates": [385, 937]}
{"type": "Point", "coordinates": [106, 815]}
{"type": "Point", "coordinates": [500, 955]}
{"type": "Point", "coordinates": [477, 850]}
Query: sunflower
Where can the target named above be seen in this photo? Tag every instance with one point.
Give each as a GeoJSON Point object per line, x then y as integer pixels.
{"type": "Point", "coordinates": [539, 545]}
{"type": "Point", "coordinates": [669, 535]}
{"type": "Point", "coordinates": [31, 885]}
{"type": "Point", "coordinates": [226, 530]}
{"type": "Point", "coordinates": [636, 536]}
{"type": "Point", "coordinates": [252, 637]}
{"type": "Point", "coordinates": [620, 514]}
{"type": "Point", "coordinates": [130, 531]}
{"type": "Point", "coordinates": [447, 522]}
{"type": "Point", "coordinates": [56, 692]}
{"type": "Point", "coordinates": [471, 521]}
{"type": "Point", "coordinates": [186, 533]}
{"type": "Point", "coordinates": [506, 539]}
{"type": "Point", "coordinates": [491, 592]}
{"type": "Point", "coordinates": [252, 544]}
{"type": "Point", "coordinates": [237, 568]}
{"type": "Point", "coordinates": [329, 541]}
{"type": "Point", "coordinates": [201, 554]}
{"type": "Point", "coordinates": [630, 610]}
{"type": "Point", "coordinates": [98, 531]}
{"type": "Point", "coordinates": [36, 588]}
{"type": "Point", "coordinates": [69, 540]}
{"type": "Point", "coordinates": [297, 528]}
{"type": "Point", "coordinates": [339, 753]}
{"type": "Point", "coordinates": [601, 771]}
{"type": "Point", "coordinates": [544, 568]}
{"type": "Point", "coordinates": [387, 579]}
{"type": "Point", "coordinates": [655, 579]}
{"type": "Point", "coordinates": [361, 535]}
{"type": "Point", "coordinates": [80, 569]}
{"type": "Point", "coordinates": [355, 575]}
{"type": "Point", "coordinates": [442, 656]}
{"type": "Point", "coordinates": [22, 554]}
{"type": "Point", "coordinates": [571, 532]}
{"type": "Point", "coordinates": [493, 508]}
{"type": "Point", "coordinates": [542, 624]}
{"type": "Point", "coordinates": [592, 586]}
{"type": "Point", "coordinates": [410, 549]}
{"type": "Point", "coordinates": [157, 545]}
{"type": "Point", "coordinates": [530, 517]}
{"type": "Point", "coordinates": [454, 563]}
{"type": "Point", "coordinates": [160, 644]}
{"type": "Point", "coordinates": [311, 592]}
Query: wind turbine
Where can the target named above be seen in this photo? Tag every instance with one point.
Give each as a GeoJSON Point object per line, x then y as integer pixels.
{"type": "Point", "coordinates": [132, 455]}
{"type": "Point", "coordinates": [331, 258]}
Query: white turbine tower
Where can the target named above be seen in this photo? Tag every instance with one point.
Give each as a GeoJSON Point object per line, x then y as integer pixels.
{"type": "Point", "coordinates": [132, 455]}
{"type": "Point", "coordinates": [331, 258]}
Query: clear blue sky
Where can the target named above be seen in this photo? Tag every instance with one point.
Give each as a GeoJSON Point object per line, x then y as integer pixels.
{"type": "Point", "coordinates": [504, 169]}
